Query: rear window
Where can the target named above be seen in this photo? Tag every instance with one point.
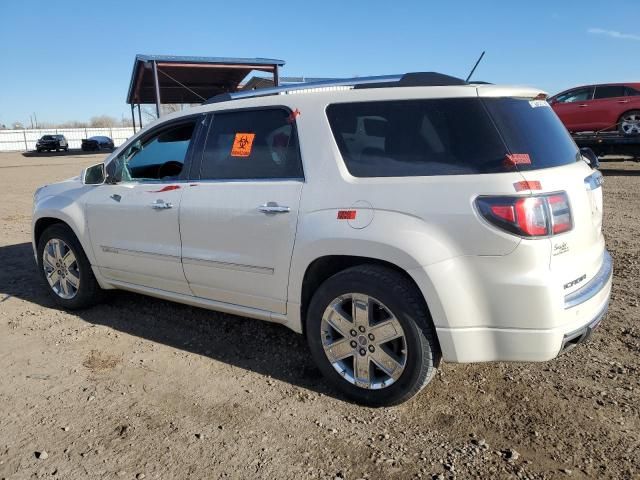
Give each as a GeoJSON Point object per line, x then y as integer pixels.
{"type": "Point", "coordinates": [447, 136]}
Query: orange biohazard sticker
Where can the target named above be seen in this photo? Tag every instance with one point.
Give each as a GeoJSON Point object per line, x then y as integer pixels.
{"type": "Point", "coordinates": [242, 144]}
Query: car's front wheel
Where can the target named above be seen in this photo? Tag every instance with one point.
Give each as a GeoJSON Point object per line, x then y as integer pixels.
{"type": "Point", "coordinates": [371, 335]}
{"type": "Point", "coordinates": [66, 269]}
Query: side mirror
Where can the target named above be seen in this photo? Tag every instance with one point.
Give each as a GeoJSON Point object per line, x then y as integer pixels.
{"type": "Point", "coordinates": [590, 157]}
{"type": "Point", "coordinates": [94, 175]}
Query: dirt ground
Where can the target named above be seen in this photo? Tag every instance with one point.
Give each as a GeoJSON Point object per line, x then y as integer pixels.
{"type": "Point", "coordinates": [143, 388]}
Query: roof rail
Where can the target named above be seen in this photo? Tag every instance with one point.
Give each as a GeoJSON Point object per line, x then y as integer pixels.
{"type": "Point", "coordinates": [418, 79]}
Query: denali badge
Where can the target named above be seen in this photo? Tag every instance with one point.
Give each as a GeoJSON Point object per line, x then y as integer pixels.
{"type": "Point", "coordinates": [560, 248]}
{"type": "Point", "coordinates": [574, 282]}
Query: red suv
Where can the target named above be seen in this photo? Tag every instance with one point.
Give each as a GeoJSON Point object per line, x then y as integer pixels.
{"type": "Point", "coordinates": [614, 106]}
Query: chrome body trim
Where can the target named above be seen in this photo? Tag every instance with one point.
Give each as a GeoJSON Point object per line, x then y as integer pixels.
{"type": "Point", "coordinates": [593, 287]}
{"type": "Point", "coordinates": [138, 253]}
{"type": "Point", "coordinates": [191, 261]}
{"type": "Point", "coordinates": [227, 265]}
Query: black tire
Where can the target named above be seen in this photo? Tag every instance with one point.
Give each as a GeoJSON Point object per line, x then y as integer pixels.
{"type": "Point", "coordinates": [38, 150]}
{"type": "Point", "coordinates": [406, 303]}
{"type": "Point", "coordinates": [626, 114]}
{"type": "Point", "coordinates": [89, 292]}
{"type": "Point", "coordinates": [66, 149]}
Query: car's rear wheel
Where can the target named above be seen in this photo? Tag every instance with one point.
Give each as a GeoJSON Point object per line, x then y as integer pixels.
{"type": "Point", "coordinates": [371, 335]}
{"type": "Point", "coordinates": [629, 123]}
{"type": "Point", "coordinates": [66, 269]}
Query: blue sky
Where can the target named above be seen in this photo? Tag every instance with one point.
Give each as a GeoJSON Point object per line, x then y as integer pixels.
{"type": "Point", "coordinates": [71, 60]}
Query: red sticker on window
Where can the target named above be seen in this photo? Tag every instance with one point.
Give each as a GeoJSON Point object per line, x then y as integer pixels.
{"type": "Point", "coordinates": [527, 185]}
{"type": "Point", "coordinates": [242, 144]}
{"type": "Point", "coordinates": [514, 159]}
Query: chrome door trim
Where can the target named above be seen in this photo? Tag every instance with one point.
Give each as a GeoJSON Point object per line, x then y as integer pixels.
{"type": "Point", "coordinates": [227, 265]}
{"type": "Point", "coordinates": [139, 253]}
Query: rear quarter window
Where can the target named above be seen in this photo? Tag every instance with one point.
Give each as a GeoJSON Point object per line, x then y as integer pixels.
{"type": "Point", "coordinates": [416, 137]}
{"type": "Point", "coordinates": [454, 136]}
{"type": "Point", "coordinates": [533, 128]}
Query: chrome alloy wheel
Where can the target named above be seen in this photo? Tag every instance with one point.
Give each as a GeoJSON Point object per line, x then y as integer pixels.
{"type": "Point", "coordinates": [631, 124]}
{"type": "Point", "coordinates": [61, 268]}
{"type": "Point", "coordinates": [364, 341]}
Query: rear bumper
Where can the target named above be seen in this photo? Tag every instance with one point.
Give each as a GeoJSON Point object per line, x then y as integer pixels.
{"type": "Point", "coordinates": [537, 324]}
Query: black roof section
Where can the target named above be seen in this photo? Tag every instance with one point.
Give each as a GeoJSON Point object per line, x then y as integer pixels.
{"type": "Point", "coordinates": [418, 79]}
{"type": "Point", "coordinates": [186, 79]}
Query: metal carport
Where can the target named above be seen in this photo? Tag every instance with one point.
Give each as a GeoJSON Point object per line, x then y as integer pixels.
{"type": "Point", "coordinates": [169, 79]}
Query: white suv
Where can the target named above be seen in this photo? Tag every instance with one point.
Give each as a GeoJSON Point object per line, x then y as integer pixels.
{"type": "Point", "coordinates": [394, 221]}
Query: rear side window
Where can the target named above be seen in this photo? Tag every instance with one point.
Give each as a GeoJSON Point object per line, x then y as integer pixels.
{"type": "Point", "coordinates": [416, 137]}
{"type": "Point", "coordinates": [534, 129]}
{"type": "Point", "coordinates": [457, 136]}
{"type": "Point", "coordinates": [610, 91]}
{"type": "Point", "coordinates": [251, 144]}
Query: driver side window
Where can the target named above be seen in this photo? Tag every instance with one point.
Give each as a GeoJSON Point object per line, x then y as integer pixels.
{"type": "Point", "coordinates": [159, 156]}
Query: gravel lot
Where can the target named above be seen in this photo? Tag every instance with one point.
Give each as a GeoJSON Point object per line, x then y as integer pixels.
{"type": "Point", "coordinates": [142, 388]}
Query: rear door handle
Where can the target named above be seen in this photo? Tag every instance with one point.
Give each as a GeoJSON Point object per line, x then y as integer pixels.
{"type": "Point", "coordinates": [161, 205]}
{"type": "Point", "coordinates": [623, 101]}
{"type": "Point", "coordinates": [273, 207]}
{"type": "Point", "coordinates": [583, 105]}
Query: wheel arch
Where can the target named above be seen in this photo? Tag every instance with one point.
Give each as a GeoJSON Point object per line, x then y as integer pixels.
{"type": "Point", "coordinates": [47, 217]}
{"type": "Point", "coordinates": [324, 267]}
{"type": "Point", "coordinates": [636, 109]}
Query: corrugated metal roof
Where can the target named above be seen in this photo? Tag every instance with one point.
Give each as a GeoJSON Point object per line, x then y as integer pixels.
{"type": "Point", "coordinates": [189, 79]}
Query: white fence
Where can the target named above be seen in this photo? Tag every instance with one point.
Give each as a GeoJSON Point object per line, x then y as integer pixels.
{"type": "Point", "coordinates": [25, 140]}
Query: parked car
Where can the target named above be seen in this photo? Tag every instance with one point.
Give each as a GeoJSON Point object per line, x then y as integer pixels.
{"type": "Point", "coordinates": [97, 143]}
{"type": "Point", "coordinates": [392, 226]}
{"type": "Point", "coordinates": [613, 106]}
{"type": "Point", "coordinates": [52, 142]}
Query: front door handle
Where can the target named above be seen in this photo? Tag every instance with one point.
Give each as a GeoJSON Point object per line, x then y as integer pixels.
{"type": "Point", "coordinates": [273, 207]}
{"type": "Point", "coordinates": [583, 105]}
{"type": "Point", "coordinates": [161, 205]}
{"type": "Point", "coordinates": [623, 101]}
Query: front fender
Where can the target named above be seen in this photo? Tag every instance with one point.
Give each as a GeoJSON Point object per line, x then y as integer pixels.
{"type": "Point", "coordinates": [67, 210]}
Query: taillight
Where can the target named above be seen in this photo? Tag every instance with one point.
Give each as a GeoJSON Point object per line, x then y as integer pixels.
{"type": "Point", "coordinates": [531, 216]}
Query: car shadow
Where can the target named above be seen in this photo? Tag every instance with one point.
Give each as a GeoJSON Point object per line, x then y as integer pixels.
{"type": "Point", "coordinates": [265, 348]}
{"type": "Point", "coordinates": [72, 151]}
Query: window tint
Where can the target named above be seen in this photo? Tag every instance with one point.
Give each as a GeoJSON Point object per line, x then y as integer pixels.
{"type": "Point", "coordinates": [534, 129]}
{"type": "Point", "coordinates": [160, 156]}
{"type": "Point", "coordinates": [630, 92]}
{"type": "Point", "coordinates": [610, 91]}
{"type": "Point", "coordinates": [577, 95]}
{"type": "Point", "coordinates": [416, 137]}
{"type": "Point", "coordinates": [449, 136]}
{"type": "Point", "coordinates": [251, 144]}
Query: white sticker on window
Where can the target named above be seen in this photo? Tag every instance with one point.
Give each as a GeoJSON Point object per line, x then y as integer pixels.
{"type": "Point", "coordinates": [538, 103]}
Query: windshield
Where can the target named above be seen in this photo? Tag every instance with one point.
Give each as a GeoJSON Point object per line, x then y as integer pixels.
{"type": "Point", "coordinates": [48, 137]}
